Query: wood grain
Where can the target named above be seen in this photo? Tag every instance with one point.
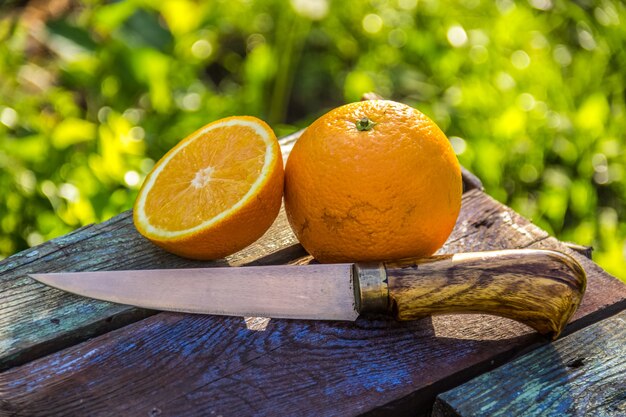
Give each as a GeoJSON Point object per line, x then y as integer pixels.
{"type": "Point", "coordinates": [540, 288]}
{"type": "Point", "coordinates": [583, 374]}
{"type": "Point", "coordinates": [198, 365]}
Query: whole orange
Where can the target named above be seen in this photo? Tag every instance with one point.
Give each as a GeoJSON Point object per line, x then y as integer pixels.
{"type": "Point", "coordinates": [373, 180]}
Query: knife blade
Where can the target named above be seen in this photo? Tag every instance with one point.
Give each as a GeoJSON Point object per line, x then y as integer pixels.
{"type": "Point", "coordinates": [540, 288]}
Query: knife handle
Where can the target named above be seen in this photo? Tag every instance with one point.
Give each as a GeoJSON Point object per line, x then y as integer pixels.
{"type": "Point", "coordinates": [540, 288]}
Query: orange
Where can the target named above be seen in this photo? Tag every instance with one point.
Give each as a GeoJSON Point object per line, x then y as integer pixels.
{"type": "Point", "coordinates": [215, 192]}
{"type": "Point", "coordinates": [371, 181]}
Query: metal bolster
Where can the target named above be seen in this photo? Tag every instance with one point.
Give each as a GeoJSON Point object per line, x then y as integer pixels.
{"type": "Point", "coordinates": [371, 288]}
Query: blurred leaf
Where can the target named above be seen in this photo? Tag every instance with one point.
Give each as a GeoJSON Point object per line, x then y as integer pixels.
{"type": "Point", "coordinates": [581, 197]}
{"type": "Point", "coordinates": [78, 36]}
{"type": "Point", "coordinates": [152, 67]}
{"type": "Point", "coordinates": [593, 113]}
{"type": "Point", "coordinates": [510, 123]}
{"type": "Point", "coordinates": [72, 131]}
{"type": "Point", "coordinates": [488, 160]}
{"type": "Point", "coordinates": [182, 16]}
{"type": "Point", "coordinates": [110, 16]}
{"type": "Point", "coordinates": [30, 149]}
{"type": "Point", "coordinates": [143, 29]}
{"type": "Point", "coordinates": [357, 83]}
{"type": "Point", "coordinates": [260, 65]}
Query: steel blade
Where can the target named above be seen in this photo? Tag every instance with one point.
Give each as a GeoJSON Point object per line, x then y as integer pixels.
{"type": "Point", "coordinates": [320, 292]}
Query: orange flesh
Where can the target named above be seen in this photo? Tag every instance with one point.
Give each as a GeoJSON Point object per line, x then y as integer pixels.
{"type": "Point", "coordinates": [206, 177]}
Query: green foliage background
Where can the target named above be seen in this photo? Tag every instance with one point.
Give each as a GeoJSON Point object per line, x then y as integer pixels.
{"type": "Point", "coordinates": [532, 95]}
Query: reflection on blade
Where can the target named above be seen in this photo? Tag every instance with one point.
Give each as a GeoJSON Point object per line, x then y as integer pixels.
{"type": "Point", "coordinates": [320, 292]}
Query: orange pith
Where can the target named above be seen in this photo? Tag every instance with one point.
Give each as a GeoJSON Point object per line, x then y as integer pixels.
{"type": "Point", "coordinates": [215, 192]}
{"type": "Point", "coordinates": [391, 191]}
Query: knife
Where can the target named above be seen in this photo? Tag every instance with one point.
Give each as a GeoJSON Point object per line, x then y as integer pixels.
{"type": "Point", "coordinates": [540, 288]}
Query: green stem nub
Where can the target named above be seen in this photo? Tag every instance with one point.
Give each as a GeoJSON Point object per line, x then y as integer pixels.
{"type": "Point", "coordinates": [365, 124]}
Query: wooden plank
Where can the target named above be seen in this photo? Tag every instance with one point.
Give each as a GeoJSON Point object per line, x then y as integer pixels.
{"type": "Point", "coordinates": [199, 365]}
{"type": "Point", "coordinates": [485, 224]}
{"type": "Point", "coordinates": [196, 365]}
{"type": "Point", "coordinates": [583, 374]}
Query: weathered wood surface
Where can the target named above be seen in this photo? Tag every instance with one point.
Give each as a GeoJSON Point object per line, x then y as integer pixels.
{"type": "Point", "coordinates": [583, 374]}
{"type": "Point", "coordinates": [175, 364]}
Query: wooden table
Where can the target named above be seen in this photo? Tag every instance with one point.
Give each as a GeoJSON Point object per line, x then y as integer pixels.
{"type": "Point", "coordinates": [64, 355]}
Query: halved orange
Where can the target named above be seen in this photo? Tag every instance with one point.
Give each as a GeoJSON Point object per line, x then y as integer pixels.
{"type": "Point", "coordinates": [215, 192]}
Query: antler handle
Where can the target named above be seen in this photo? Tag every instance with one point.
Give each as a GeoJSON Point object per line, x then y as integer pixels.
{"type": "Point", "coordinates": [540, 288]}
